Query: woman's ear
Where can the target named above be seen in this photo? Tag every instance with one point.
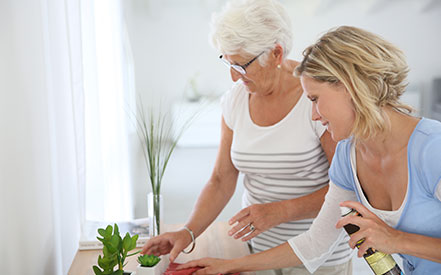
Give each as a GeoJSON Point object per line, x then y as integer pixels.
{"type": "Point", "coordinates": [278, 54]}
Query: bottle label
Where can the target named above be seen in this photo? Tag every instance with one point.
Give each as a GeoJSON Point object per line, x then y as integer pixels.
{"type": "Point", "coordinates": [380, 262]}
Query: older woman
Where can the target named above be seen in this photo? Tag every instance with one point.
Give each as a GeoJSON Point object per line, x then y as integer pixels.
{"type": "Point", "coordinates": [386, 160]}
{"type": "Point", "coordinates": [268, 136]}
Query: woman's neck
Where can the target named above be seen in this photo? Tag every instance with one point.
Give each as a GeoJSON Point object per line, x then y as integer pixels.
{"type": "Point", "coordinates": [286, 82]}
{"type": "Point", "coordinates": [394, 139]}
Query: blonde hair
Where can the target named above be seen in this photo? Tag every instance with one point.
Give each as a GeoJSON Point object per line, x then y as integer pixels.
{"type": "Point", "coordinates": [372, 70]}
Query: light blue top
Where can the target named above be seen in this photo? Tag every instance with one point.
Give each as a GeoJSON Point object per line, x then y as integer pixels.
{"type": "Point", "coordinates": [422, 212]}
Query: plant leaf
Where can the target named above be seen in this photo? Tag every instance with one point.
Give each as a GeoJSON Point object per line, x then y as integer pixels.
{"type": "Point", "coordinates": [116, 230]}
{"type": "Point", "coordinates": [102, 232]}
{"type": "Point", "coordinates": [97, 270]}
{"type": "Point", "coordinates": [148, 260]}
{"type": "Point", "coordinates": [133, 244]}
{"type": "Point", "coordinates": [108, 231]}
{"type": "Point", "coordinates": [127, 241]}
{"type": "Point", "coordinates": [139, 251]}
{"type": "Point", "coordinates": [114, 242]}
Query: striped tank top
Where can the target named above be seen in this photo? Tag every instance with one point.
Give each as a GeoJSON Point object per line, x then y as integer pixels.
{"type": "Point", "coordinates": [279, 162]}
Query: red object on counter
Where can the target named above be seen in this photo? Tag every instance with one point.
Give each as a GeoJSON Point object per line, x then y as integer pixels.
{"type": "Point", "coordinates": [171, 270]}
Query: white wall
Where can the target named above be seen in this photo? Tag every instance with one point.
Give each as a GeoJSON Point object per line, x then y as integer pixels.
{"type": "Point", "coordinates": [170, 44]}
{"type": "Point", "coordinates": [170, 37]}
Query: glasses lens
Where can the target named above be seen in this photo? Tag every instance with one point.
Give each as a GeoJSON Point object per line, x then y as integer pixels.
{"type": "Point", "coordinates": [238, 69]}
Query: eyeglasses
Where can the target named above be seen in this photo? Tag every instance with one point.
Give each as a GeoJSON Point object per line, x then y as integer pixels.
{"type": "Point", "coordinates": [239, 68]}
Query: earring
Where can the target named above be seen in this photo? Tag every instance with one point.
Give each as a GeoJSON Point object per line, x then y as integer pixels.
{"type": "Point", "coordinates": [278, 66]}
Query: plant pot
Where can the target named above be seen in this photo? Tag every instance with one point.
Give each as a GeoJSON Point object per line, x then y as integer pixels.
{"type": "Point", "coordinates": [155, 209]}
{"type": "Point", "coordinates": [158, 269]}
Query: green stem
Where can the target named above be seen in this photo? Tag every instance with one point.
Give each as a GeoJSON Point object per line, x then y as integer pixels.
{"type": "Point", "coordinates": [139, 251]}
{"type": "Point", "coordinates": [157, 211]}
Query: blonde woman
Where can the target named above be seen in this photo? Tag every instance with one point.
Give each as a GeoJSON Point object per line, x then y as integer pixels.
{"type": "Point", "coordinates": [387, 164]}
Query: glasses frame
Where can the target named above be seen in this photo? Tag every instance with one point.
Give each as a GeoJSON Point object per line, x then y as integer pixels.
{"type": "Point", "coordinates": [242, 69]}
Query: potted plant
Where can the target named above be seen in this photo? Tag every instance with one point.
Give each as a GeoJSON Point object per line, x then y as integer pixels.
{"type": "Point", "coordinates": [151, 265]}
{"type": "Point", "coordinates": [158, 137]}
{"type": "Point", "coordinates": [115, 251]}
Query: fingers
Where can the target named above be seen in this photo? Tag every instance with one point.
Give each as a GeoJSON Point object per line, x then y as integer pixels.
{"type": "Point", "coordinates": [239, 216]}
{"type": "Point", "coordinates": [251, 235]}
{"type": "Point", "coordinates": [246, 231]}
{"type": "Point", "coordinates": [189, 264]}
{"type": "Point", "coordinates": [203, 271]}
{"type": "Point", "coordinates": [206, 265]}
{"type": "Point", "coordinates": [360, 208]}
{"type": "Point", "coordinates": [177, 248]}
{"type": "Point", "coordinates": [357, 220]}
{"type": "Point", "coordinates": [363, 248]}
{"type": "Point", "coordinates": [239, 227]}
{"type": "Point", "coordinates": [150, 246]}
{"type": "Point", "coordinates": [172, 243]}
{"type": "Point", "coordinates": [355, 238]}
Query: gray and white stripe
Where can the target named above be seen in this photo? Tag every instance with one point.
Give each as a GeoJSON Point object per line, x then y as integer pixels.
{"type": "Point", "coordinates": [270, 177]}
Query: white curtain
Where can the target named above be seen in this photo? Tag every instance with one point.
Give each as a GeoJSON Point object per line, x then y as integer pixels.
{"type": "Point", "coordinates": [65, 89]}
{"type": "Point", "coordinates": [41, 142]}
{"type": "Point", "coordinates": [109, 101]}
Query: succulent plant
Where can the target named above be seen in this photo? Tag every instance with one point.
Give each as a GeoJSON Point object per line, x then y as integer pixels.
{"type": "Point", "coordinates": [148, 260]}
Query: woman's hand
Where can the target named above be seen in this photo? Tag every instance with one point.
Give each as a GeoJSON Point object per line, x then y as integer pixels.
{"type": "Point", "coordinates": [261, 217]}
{"type": "Point", "coordinates": [375, 232]}
{"type": "Point", "coordinates": [208, 266]}
{"type": "Point", "coordinates": [170, 242]}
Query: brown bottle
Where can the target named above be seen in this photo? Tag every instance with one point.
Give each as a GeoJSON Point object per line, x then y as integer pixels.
{"type": "Point", "coordinates": [379, 262]}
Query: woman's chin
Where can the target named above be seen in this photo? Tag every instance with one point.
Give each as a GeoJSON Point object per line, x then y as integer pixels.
{"type": "Point", "coordinates": [337, 137]}
{"type": "Point", "coordinates": [334, 136]}
{"type": "Point", "coordinates": [249, 90]}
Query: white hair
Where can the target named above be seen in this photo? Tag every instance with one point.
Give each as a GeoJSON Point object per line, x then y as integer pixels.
{"type": "Point", "coordinates": [251, 27]}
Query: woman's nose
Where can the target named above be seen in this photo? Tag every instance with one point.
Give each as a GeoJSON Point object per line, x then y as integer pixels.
{"type": "Point", "coordinates": [315, 114]}
{"type": "Point", "coordinates": [235, 75]}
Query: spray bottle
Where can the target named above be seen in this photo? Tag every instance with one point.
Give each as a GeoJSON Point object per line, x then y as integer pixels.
{"type": "Point", "coordinates": [379, 262]}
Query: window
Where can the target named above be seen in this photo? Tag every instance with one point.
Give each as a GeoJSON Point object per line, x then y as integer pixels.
{"type": "Point", "coordinates": [108, 98]}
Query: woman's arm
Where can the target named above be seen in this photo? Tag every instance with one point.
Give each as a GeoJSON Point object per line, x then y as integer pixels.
{"type": "Point", "coordinates": [278, 257]}
{"type": "Point", "coordinates": [219, 189]}
{"type": "Point", "coordinates": [311, 248]}
{"type": "Point", "coordinates": [382, 237]}
{"type": "Point", "coordinates": [213, 198]}
{"type": "Point", "coordinates": [268, 215]}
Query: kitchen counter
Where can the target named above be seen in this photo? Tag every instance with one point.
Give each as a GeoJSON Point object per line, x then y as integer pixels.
{"type": "Point", "coordinates": [214, 242]}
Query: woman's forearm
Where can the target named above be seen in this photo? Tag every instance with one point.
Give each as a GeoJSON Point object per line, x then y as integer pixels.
{"type": "Point", "coordinates": [304, 207]}
{"type": "Point", "coordinates": [209, 204]}
{"type": "Point", "coordinates": [278, 257]}
{"type": "Point", "coordinates": [419, 246]}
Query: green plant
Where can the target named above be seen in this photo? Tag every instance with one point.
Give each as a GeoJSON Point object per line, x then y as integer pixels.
{"type": "Point", "coordinates": [158, 138]}
{"type": "Point", "coordinates": [115, 251]}
{"type": "Point", "coordinates": [148, 260]}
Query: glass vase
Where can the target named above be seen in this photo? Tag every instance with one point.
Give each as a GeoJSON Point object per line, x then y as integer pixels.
{"type": "Point", "coordinates": [154, 207]}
